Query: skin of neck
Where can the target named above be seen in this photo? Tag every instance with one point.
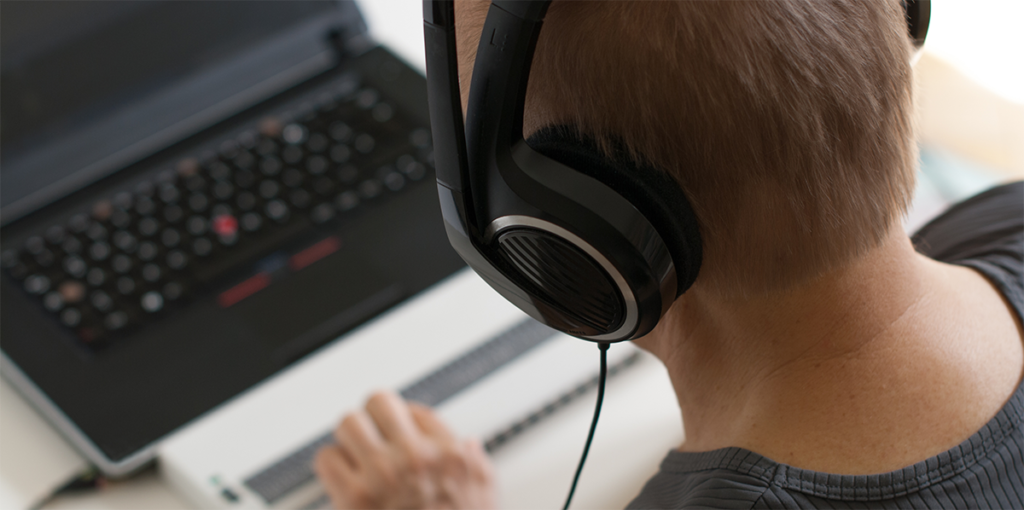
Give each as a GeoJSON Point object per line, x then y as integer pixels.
{"type": "Point", "coordinates": [867, 368]}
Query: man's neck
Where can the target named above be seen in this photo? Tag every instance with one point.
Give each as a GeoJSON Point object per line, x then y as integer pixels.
{"type": "Point", "coordinates": [852, 372]}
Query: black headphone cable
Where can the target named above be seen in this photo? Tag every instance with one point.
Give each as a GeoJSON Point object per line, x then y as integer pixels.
{"type": "Point", "coordinates": [601, 378]}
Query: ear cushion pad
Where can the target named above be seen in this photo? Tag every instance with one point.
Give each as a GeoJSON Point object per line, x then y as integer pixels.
{"type": "Point", "coordinates": [653, 192]}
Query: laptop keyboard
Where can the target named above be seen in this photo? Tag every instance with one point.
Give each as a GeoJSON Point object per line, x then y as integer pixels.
{"type": "Point", "coordinates": [122, 263]}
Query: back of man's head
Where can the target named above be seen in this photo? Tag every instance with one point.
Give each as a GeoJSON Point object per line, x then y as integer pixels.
{"type": "Point", "coordinates": [787, 122]}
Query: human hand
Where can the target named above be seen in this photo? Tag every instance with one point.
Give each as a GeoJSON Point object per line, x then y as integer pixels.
{"type": "Point", "coordinates": [397, 454]}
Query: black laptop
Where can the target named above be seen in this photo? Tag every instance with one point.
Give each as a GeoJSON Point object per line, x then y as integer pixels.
{"type": "Point", "coordinates": [195, 195]}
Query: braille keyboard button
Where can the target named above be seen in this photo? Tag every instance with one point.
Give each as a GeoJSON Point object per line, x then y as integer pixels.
{"type": "Point", "coordinates": [170, 237]}
{"type": "Point", "coordinates": [317, 142]}
{"type": "Point", "coordinates": [123, 200]}
{"type": "Point", "coordinates": [195, 183]}
{"type": "Point", "coordinates": [366, 98]}
{"type": "Point", "coordinates": [196, 225]}
{"type": "Point", "coordinates": [247, 139]}
{"type": "Point", "coordinates": [35, 245]}
{"type": "Point", "coordinates": [270, 126]}
{"type": "Point", "coordinates": [348, 174]}
{"type": "Point", "coordinates": [45, 258]}
{"type": "Point", "coordinates": [202, 246]}
{"type": "Point", "coordinates": [37, 284]}
{"type": "Point", "coordinates": [116, 321]}
{"type": "Point", "coordinates": [70, 317]}
{"type": "Point", "coordinates": [151, 273]}
{"type": "Point", "coordinates": [121, 219]}
{"type": "Point", "coordinates": [245, 201]}
{"type": "Point", "coordinates": [71, 245]}
{"type": "Point", "coordinates": [9, 258]}
{"type": "Point", "coordinates": [102, 210]}
{"type": "Point", "coordinates": [291, 154]}
{"type": "Point", "coordinates": [245, 179]}
{"type": "Point", "coordinates": [198, 202]}
{"type": "Point", "coordinates": [71, 291]}
{"type": "Point", "coordinates": [173, 213]}
{"type": "Point", "coordinates": [177, 260]}
{"type": "Point", "coordinates": [229, 239]}
{"type": "Point", "coordinates": [19, 271]}
{"type": "Point", "coordinates": [187, 167]}
{"type": "Point", "coordinates": [340, 131]}
{"type": "Point", "coordinates": [99, 251]}
{"type": "Point", "coordinates": [121, 263]}
{"type": "Point", "coordinates": [219, 170]}
{"type": "Point", "coordinates": [125, 241]}
{"type": "Point", "coordinates": [364, 143]}
{"type": "Point", "coordinates": [96, 277]}
{"type": "Point", "coordinates": [125, 285]}
{"type": "Point", "coordinates": [53, 301]}
{"type": "Point", "coordinates": [147, 250]}
{"type": "Point", "coordinates": [299, 198]}
{"type": "Point", "coordinates": [145, 206]}
{"type": "Point", "coordinates": [346, 201]}
{"type": "Point", "coordinates": [317, 165]}
{"type": "Point", "coordinates": [270, 167]}
{"type": "Point", "coordinates": [322, 213]}
{"type": "Point", "coordinates": [167, 176]}
{"type": "Point", "coordinates": [148, 226]}
{"type": "Point", "coordinates": [79, 223]}
{"type": "Point", "coordinates": [56, 235]}
{"type": "Point", "coordinates": [251, 222]}
{"type": "Point", "coordinates": [172, 291]}
{"type": "Point", "coordinates": [266, 147]}
{"type": "Point", "coordinates": [169, 193]}
{"type": "Point", "coordinates": [382, 112]}
{"type": "Point", "coordinates": [369, 189]}
{"type": "Point", "coordinates": [292, 178]}
{"type": "Point", "coordinates": [323, 186]}
{"type": "Point", "coordinates": [294, 134]}
{"type": "Point", "coordinates": [340, 153]}
{"type": "Point", "coordinates": [420, 138]}
{"type": "Point", "coordinates": [75, 266]}
{"type": "Point", "coordinates": [277, 211]}
{"type": "Point", "coordinates": [228, 149]}
{"type": "Point", "coordinates": [223, 191]}
{"type": "Point", "coordinates": [394, 181]}
{"type": "Point", "coordinates": [96, 232]}
{"type": "Point", "coordinates": [152, 301]}
{"type": "Point", "coordinates": [244, 161]}
{"type": "Point", "coordinates": [145, 189]}
{"type": "Point", "coordinates": [101, 301]}
{"type": "Point", "coordinates": [269, 189]}
{"type": "Point", "coordinates": [221, 210]}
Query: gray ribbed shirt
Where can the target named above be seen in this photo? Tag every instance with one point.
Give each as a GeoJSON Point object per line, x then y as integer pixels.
{"type": "Point", "coordinates": [985, 232]}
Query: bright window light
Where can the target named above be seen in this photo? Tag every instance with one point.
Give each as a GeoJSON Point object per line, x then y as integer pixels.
{"type": "Point", "coordinates": [984, 40]}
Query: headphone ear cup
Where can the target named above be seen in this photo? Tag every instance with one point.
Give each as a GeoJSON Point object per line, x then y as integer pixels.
{"type": "Point", "coordinates": [651, 191]}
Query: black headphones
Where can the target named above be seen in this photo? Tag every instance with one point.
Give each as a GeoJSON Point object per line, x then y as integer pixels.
{"type": "Point", "coordinates": [596, 247]}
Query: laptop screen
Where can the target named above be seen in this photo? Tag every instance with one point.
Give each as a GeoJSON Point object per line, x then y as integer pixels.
{"type": "Point", "coordinates": [67, 65]}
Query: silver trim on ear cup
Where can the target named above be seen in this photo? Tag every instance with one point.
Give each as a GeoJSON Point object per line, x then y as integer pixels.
{"type": "Point", "coordinates": [629, 324]}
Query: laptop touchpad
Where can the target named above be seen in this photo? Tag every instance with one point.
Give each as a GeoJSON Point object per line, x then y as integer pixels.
{"type": "Point", "coordinates": [302, 310]}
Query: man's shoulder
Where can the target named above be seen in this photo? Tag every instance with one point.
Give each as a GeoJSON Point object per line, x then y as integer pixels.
{"type": "Point", "coordinates": [976, 225]}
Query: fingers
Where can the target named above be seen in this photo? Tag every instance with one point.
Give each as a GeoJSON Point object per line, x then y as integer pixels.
{"type": "Point", "coordinates": [337, 477]}
{"type": "Point", "coordinates": [391, 415]}
{"type": "Point", "coordinates": [430, 424]}
{"type": "Point", "coordinates": [358, 438]}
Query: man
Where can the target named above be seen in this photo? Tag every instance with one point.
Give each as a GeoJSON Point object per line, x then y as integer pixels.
{"type": "Point", "coordinates": [816, 345]}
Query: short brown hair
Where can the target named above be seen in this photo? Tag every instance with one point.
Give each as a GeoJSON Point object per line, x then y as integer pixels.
{"type": "Point", "coordinates": [787, 122]}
